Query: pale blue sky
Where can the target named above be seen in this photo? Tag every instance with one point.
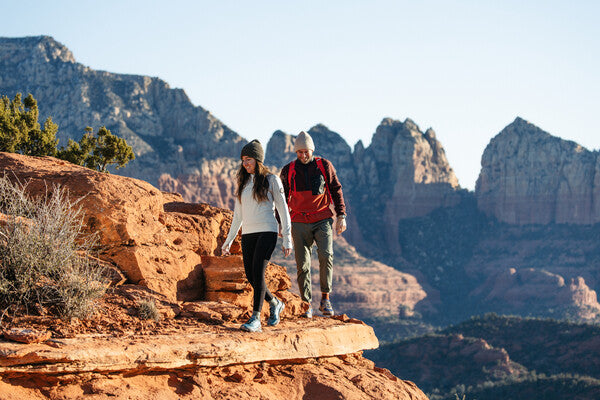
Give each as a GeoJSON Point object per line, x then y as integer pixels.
{"type": "Point", "coordinates": [464, 68]}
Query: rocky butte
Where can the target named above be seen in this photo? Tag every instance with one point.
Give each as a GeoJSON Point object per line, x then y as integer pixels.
{"type": "Point", "coordinates": [531, 177]}
{"type": "Point", "coordinates": [164, 249]}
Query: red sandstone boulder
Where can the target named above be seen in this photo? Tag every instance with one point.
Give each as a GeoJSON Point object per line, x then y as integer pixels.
{"type": "Point", "coordinates": [136, 231]}
{"type": "Point", "coordinates": [226, 281]}
{"type": "Point", "coordinates": [27, 335]}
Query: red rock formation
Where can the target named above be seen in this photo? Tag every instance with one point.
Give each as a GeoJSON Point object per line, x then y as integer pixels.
{"type": "Point", "coordinates": [155, 247]}
{"type": "Point", "coordinates": [191, 355]}
{"type": "Point", "coordinates": [226, 281]}
{"type": "Point", "coordinates": [532, 289]}
{"type": "Point", "coordinates": [214, 183]}
{"type": "Point", "coordinates": [530, 177]}
{"type": "Point", "coordinates": [342, 377]}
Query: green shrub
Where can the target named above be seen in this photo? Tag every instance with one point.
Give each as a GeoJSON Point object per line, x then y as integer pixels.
{"type": "Point", "coordinates": [43, 254]}
{"type": "Point", "coordinates": [20, 132]}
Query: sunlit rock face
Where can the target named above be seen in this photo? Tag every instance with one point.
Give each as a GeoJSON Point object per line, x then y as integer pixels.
{"type": "Point", "coordinates": [166, 131]}
{"type": "Point", "coordinates": [531, 177]}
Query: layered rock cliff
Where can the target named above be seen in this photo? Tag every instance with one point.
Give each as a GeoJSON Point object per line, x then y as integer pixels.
{"type": "Point", "coordinates": [167, 132]}
{"type": "Point", "coordinates": [530, 177]}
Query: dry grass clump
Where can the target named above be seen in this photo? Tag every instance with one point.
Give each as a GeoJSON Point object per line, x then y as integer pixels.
{"type": "Point", "coordinates": [42, 254]}
{"type": "Point", "coordinates": [147, 310]}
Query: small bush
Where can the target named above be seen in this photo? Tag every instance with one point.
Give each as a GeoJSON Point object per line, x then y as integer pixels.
{"type": "Point", "coordinates": [43, 253]}
{"type": "Point", "coordinates": [147, 310]}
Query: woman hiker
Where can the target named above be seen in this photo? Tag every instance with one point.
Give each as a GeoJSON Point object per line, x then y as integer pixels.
{"type": "Point", "coordinates": [258, 194]}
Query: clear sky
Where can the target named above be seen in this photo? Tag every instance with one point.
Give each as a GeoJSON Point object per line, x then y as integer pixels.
{"type": "Point", "coordinates": [464, 68]}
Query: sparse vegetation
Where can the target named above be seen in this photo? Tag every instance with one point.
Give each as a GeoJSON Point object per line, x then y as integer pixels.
{"type": "Point", "coordinates": [21, 133]}
{"type": "Point", "coordinates": [98, 150]}
{"type": "Point", "coordinates": [147, 310]}
{"type": "Point", "coordinates": [43, 254]}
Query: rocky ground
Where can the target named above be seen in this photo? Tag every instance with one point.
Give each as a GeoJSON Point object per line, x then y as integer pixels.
{"type": "Point", "coordinates": [194, 350]}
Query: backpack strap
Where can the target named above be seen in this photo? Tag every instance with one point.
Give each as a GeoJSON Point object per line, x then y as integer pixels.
{"type": "Point", "coordinates": [322, 168]}
{"type": "Point", "coordinates": [292, 178]}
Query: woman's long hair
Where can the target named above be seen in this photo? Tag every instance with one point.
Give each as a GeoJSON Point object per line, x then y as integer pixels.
{"type": "Point", "coordinates": [261, 183]}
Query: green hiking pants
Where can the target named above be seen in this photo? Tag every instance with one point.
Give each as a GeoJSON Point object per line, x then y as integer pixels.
{"type": "Point", "coordinates": [304, 235]}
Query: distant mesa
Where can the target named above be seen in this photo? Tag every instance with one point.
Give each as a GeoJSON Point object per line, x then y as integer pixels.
{"type": "Point", "coordinates": [531, 177]}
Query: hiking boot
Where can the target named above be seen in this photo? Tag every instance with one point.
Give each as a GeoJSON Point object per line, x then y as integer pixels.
{"type": "Point", "coordinates": [325, 307]}
{"type": "Point", "coordinates": [275, 312]}
{"type": "Point", "coordinates": [308, 313]}
{"type": "Point", "coordinates": [253, 325]}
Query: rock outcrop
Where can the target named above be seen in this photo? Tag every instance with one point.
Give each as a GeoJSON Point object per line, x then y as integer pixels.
{"type": "Point", "coordinates": [167, 132]}
{"type": "Point", "coordinates": [213, 183]}
{"type": "Point", "coordinates": [538, 292]}
{"type": "Point", "coordinates": [530, 177]}
{"type": "Point", "coordinates": [189, 355]}
{"type": "Point", "coordinates": [139, 228]}
{"type": "Point", "coordinates": [403, 173]}
{"type": "Point", "coordinates": [427, 360]}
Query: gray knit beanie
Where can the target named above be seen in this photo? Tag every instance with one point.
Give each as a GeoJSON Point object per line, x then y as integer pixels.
{"type": "Point", "coordinates": [304, 141]}
{"type": "Point", "coordinates": [255, 150]}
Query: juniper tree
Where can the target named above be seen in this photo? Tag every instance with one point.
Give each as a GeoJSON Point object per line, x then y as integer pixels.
{"type": "Point", "coordinates": [97, 151]}
{"type": "Point", "coordinates": [21, 133]}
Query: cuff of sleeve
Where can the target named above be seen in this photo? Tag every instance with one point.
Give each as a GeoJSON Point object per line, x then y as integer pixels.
{"type": "Point", "coordinates": [287, 242]}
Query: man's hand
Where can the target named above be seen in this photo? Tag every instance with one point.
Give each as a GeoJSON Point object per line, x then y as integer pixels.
{"type": "Point", "coordinates": [286, 252]}
{"type": "Point", "coordinates": [340, 225]}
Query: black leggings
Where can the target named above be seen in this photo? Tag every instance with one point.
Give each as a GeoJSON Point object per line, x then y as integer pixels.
{"type": "Point", "coordinates": [256, 250]}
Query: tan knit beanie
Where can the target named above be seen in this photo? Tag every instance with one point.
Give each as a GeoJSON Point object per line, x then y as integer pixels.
{"type": "Point", "coordinates": [304, 141]}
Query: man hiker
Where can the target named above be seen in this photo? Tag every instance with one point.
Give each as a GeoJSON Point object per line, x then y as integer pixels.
{"type": "Point", "coordinates": [311, 185]}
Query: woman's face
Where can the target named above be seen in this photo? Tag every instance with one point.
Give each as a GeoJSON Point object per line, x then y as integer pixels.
{"type": "Point", "coordinates": [249, 164]}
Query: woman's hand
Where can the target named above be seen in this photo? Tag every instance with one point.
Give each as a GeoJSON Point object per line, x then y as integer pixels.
{"type": "Point", "coordinates": [286, 252]}
{"type": "Point", "coordinates": [225, 251]}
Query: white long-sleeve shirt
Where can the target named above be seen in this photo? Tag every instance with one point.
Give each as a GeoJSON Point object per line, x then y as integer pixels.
{"type": "Point", "coordinates": [253, 216]}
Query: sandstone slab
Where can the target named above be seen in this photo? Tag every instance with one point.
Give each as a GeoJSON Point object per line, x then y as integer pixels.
{"type": "Point", "coordinates": [288, 341]}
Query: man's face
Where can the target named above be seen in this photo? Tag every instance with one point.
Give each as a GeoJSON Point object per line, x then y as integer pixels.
{"type": "Point", "coordinates": [304, 155]}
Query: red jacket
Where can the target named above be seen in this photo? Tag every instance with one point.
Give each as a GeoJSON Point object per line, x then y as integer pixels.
{"type": "Point", "coordinates": [311, 193]}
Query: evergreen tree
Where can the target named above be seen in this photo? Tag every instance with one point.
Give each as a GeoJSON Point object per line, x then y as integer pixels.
{"type": "Point", "coordinates": [97, 151]}
{"type": "Point", "coordinates": [21, 133]}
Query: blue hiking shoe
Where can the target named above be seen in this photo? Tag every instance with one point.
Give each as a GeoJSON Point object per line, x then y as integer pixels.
{"type": "Point", "coordinates": [308, 313]}
{"type": "Point", "coordinates": [326, 307]}
{"type": "Point", "coordinates": [253, 325]}
{"type": "Point", "coordinates": [275, 312]}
